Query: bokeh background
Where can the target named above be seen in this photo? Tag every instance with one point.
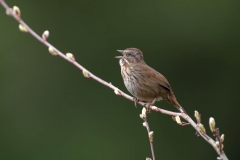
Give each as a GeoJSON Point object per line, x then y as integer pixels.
{"type": "Point", "coordinates": [48, 110]}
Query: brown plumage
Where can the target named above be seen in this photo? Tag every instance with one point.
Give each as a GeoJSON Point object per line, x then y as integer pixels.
{"type": "Point", "coordinates": [142, 81]}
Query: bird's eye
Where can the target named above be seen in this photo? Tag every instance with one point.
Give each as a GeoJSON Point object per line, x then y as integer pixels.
{"type": "Point", "coordinates": [128, 54]}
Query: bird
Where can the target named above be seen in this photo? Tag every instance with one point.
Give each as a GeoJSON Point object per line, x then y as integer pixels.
{"type": "Point", "coordinates": [143, 82]}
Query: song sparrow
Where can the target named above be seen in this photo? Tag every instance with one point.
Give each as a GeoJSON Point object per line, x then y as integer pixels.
{"type": "Point", "coordinates": [142, 81]}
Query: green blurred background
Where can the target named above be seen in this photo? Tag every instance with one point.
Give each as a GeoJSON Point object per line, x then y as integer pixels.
{"type": "Point", "coordinates": [48, 110]}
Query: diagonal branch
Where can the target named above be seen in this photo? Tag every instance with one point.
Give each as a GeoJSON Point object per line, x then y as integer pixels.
{"type": "Point", "coordinates": [15, 13]}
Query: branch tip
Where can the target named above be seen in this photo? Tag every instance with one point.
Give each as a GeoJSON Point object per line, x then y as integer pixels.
{"type": "Point", "coordinates": [178, 120]}
{"type": "Point", "coordinates": [151, 136]}
{"type": "Point", "coordinates": [16, 11]}
{"type": "Point", "coordinates": [117, 92]}
{"type": "Point", "coordinates": [52, 51]}
{"type": "Point", "coordinates": [197, 116]}
{"type": "Point", "coordinates": [222, 137]}
{"type": "Point", "coordinates": [144, 111]}
{"type": "Point", "coordinates": [212, 124]}
{"type": "Point", "coordinates": [202, 128]}
{"type": "Point", "coordinates": [85, 73]}
{"type": "Point", "coordinates": [45, 35]}
{"type": "Point", "coordinates": [70, 56]}
{"type": "Point", "coordinates": [22, 28]}
{"type": "Point", "coordinates": [144, 123]}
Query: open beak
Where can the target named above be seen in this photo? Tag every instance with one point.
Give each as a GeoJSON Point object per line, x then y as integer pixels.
{"type": "Point", "coordinates": [121, 51]}
{"type": "Point", "coordinates": [119, 57]}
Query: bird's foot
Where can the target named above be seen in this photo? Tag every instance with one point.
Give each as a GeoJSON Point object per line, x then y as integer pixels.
{"type": "Point", "coordinates": [148, 105]}
{"type": "Point", "coordinates": [135, 101]}
{"type": "Point", "coordinates": [152, 103]}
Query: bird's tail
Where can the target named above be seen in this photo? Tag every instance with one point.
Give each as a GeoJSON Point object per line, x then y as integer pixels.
{"type": "Point", "coordinates": [180, 108]}
{"type": "Point", "coordinates": [172, 99]}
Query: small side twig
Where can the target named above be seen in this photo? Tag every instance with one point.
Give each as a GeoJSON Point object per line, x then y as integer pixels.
{"type": "Point", "coordinates": [150, 133]}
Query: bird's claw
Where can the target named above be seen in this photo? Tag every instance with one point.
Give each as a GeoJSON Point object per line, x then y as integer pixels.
{"type": "Point", "coordinates": [135, 101]}
{"type": "Point", "coordinates": [148, 105]}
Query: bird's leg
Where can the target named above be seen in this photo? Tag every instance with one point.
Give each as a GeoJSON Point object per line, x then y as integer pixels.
{"type": "Point", "coordinates": [135, 101]}
{"type": "Point", "coordinates": [150, 104]}
{"type": "Point", "coordinates": [153, 101]}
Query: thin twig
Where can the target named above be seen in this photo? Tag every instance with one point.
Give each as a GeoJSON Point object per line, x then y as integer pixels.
{"type": "Point", "coordinates": [116, 90]}
{"type": "Point", "coordinates": [150, 134]}
{"type": "Point", "coordinates": [151, 141]}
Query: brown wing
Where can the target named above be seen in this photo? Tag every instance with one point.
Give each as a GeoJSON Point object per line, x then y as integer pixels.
{"type": "Point", "coordinates": [158, 78]}
{"type": "Point", "coordinates": [153, 76]}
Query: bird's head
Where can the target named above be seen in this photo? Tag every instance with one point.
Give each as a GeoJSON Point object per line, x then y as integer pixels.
{"type": "Point", "coordinates": [130, 55]}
